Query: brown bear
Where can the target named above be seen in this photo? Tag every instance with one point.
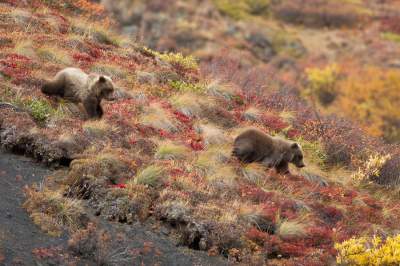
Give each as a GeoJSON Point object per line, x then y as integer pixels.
{"type": "Point", "coordinates": [76, 86]}
{"type": "Point", "coordinates": [255, 146]}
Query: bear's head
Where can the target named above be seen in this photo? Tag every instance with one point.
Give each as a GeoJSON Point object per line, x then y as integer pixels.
{"type": "Point", "coordinates": [296, 155]}
{"type": "Point", "coordinates": [103, 87]}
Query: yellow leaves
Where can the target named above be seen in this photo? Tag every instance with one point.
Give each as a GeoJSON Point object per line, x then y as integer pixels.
{"type": "Point", "coordinates": [322, 83]}
{"type": "Point", "coordinates": [187, 62]}
{"type": "Point", "coordinates": [371, 168]}
{"type": "Point", "coordinates": [364, 251]}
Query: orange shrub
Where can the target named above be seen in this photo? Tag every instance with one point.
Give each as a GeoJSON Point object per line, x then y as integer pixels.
{"type": "Point", "coordinates": [372, 97]}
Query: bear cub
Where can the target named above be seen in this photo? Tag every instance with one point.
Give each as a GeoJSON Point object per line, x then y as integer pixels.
{"type": "Point", "coordinates": [255, 146]}
{"type": "Point", "coordinates": [76, 86]}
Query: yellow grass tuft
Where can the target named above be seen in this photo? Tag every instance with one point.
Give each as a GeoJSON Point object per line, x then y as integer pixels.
{"type": "Point", "coordinates": [188, 103]}
{"type": "Point", "coordinates": [98, 128]}
{"type": "Point", "coordinates": [171, 151]}
{"type": "Point", "coordinates": [291, 229]}
{"type": "Point", "coordinates": [150, 176]}
{"type": "Point", "coordinates": [212, 134]}
{"type": "Point", "coordinates": [155, 116]}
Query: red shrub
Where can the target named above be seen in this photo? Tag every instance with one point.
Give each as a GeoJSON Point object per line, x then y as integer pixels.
{"type": "Point", "coordinates": [391, 23]}
{"type": "Point", "coordinates": [257, 236]}
{"type": "Point", "coordinates": [274, 122]}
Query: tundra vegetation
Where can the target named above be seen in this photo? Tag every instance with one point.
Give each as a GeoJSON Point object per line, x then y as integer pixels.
{"type": "Point", "coordinates": [161, 155]}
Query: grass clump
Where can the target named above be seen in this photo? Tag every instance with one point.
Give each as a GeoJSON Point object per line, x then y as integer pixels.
{"type": "Point", "coordinates": [149, 176]}
{"type": "Point", "coordinates": [171, 151]}
{"type": "Point", "coordinates": [51, 211]}
{"type": "Point", "coordinates": [98, 128]}
{"type": "Point", "coordinates": [372, 252]}
{"type": "Point", "coordinates": [291, 229]}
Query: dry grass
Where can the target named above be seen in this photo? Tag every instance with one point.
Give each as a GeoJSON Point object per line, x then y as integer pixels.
{"type": "Point", "coordinates": [52, 212]}
{"type": "Point", "coordinates": [152, 176]}
{"type": "Point", "coordinates": [155, 116]}
{"type": "Point", "coordinates": [54, 54]}
{"type": "Point", "coordinates": [188, 104]}
{"type": "Point", "coordinates": [170, 151]}
{"type": "Point", "coordinates": [291, 229]}
{"type": "Point", "coordinates": [98, 128]}
{"type": "Point", "coordinates": [213, 157]}
{"type": "Point", "coordinates": [252, 114]}
{"type": "Point", "coordinates": [212, 134]}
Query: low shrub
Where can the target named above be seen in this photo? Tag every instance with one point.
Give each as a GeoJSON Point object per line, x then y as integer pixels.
{"type": "Point", "coordinates": [372, 252]}
{"type": "Point", "coordinates": [40, 109]}
{"type": "Point", "coordinates": [371, 169]}
{"type": "Point", "coordinates": [322, 83]}
{"type": "Point", "coordinates": [319, 13]}
{"type": "Point", "coordinates": [389, 172]}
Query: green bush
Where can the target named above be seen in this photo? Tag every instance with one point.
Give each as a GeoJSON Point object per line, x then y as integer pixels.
{"type": "Point", "coordinates": [39, 109]}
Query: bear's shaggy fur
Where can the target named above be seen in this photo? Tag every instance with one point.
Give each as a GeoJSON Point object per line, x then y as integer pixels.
{"type": "Point", "coordinates": [255, 146]}
{"type": "Point", "coordinates": [76, 86]}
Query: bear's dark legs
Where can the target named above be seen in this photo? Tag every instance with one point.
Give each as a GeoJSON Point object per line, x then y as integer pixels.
{"type": "Point", "coordinates": [92, 107]}
{"type": "Point", "coordinates": [282, 167]}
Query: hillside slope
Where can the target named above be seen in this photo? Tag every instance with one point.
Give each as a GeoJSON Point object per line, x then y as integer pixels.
{"type": "Point", "coordinates": [297, 41]}
{"type": "Point", "coordinates": [161, 154]}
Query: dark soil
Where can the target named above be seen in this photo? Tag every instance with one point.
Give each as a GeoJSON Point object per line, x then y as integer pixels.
{"type": "Point", "coordinates": [23, 243]}
{"type": "Point", "coordinates": [18, 234]}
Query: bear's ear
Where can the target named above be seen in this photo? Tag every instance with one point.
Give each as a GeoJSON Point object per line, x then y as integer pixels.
{"type": "Point", "coordinates": [102, 79]}
{"type": "Point", "coordinates": [294, 146]}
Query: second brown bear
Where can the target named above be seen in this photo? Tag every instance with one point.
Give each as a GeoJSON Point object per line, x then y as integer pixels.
{"type": "Point", "coordinates": [254, 145]}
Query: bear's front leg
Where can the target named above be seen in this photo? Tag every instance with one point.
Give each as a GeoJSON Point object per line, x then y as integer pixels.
{"type": "Point", "coordinates": [282, 168]}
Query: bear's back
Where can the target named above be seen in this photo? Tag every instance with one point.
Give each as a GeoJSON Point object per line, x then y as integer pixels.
{"type": "Point", "coordinates": [260, 143]}
{"type": "Point", "coordinates": [75, 83]}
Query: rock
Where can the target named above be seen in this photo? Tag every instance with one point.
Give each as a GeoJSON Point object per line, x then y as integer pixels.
{"type": "Point", "coordinates": [313, 178]}
{"type": "Point", "coordinates": [196, 236]}
{"type": "Point", "coordinates": [261, 46]}
{"type": "Point", "coordinates": [146, 78]}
